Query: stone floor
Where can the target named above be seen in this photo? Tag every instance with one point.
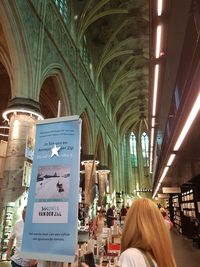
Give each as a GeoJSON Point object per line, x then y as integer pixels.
{"type": "Point", "coordinates": [185, 254]}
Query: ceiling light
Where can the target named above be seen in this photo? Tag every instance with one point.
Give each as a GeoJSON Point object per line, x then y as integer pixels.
{"type": "Point", "coordinates": [159, 7]}
{"type": "Point", "coordinates": [190, 119]}
{"type": "Point", "coordinates": [158, 41]}
{"type": "Point", "coordinates": [163, 174]}
{"type": "Point", "coordinates": [158, 186]}
{"type": "Point", "coordinates": [30, 112]}
{"type": "Point", "coordinates": [171, 159]}
{"type": "Point", "coordinates": [155, 89]}
{"type": "Point", "coordinates": [150, 168]}
{"type": "Point", "coordinates": [153, 122]}
{"type": "Point", "coordinates": [89, 162]}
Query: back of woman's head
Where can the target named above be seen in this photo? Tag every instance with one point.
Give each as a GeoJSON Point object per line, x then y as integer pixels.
{"type": "Point", "coordinates": [145, 229]}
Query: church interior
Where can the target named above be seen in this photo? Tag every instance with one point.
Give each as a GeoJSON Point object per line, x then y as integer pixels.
{"type": "Point", "coordinates": [131, 71]}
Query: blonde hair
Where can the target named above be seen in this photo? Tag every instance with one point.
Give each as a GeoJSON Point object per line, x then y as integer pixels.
{"type": "Point", "coordinates": [145, 229]}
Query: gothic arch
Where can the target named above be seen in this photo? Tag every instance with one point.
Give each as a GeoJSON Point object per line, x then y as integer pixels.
{"type": "Point", "coordinates": [17, 48]}
{"type": "Point", "coordinates": [86, 135]}
{"type": "Point", "coordinates": [54, 88]}
{"type": "Point", "coordinates": [100, 149]}
{"type": "Point", "coordinates": [110, 167]}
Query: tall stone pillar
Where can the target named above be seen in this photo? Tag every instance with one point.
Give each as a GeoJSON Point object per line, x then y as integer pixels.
{"type": "Point", "coordinates": [21, 115]}
{"type": "Point", "coordinates": [90, 177]}
{"type": "Point", "coordinates": [103, 177]}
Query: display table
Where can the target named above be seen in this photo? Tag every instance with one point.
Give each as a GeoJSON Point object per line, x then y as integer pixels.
{"type": "Point", "coordinates": [103, 251]}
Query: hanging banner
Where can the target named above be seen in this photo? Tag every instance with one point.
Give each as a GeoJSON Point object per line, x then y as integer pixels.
{"type": "Point", "coordinates": [50, 231]}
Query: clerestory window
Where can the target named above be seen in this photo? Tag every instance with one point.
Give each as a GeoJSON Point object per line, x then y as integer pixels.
{"type": "Point", "coordinates": [145, 149]}
{"type": "Point", "coordinates": [62, 8]}
{"type": "Point", "coordinates": [133, 150]}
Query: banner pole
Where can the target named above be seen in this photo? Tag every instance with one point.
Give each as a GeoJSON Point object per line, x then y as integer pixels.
{"type": "Point", "coordinates": [59, 108]}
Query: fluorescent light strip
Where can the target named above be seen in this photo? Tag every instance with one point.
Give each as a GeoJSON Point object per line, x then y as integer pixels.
{"type": "Point", "coordinates": [151, 164]}
{"type": "Point", "coordinates": [158, 41]}
{"type": "Point", "coordinates": [158, 186]}
{"type": "Point", "coordinates": [159, 7]}
{"type": "Point", "coordinates": [153, 122]}
{"type": "Point", "coordinates": [163, 174]}
{"type": "Point", "coordinates": [152, 136]}
{"type": "Point", "coordinates": [150, 169]}
{"type": "Point", "coordinates": [151, 159]}
{"type": "Point", "coordinates": [155, 89]}
{"type": "Point", "coordinates": [171, 159]}
{"type": "Point", "coordinates": [188, 123]}
{"type": "Point", "coordinates": [151, 156]}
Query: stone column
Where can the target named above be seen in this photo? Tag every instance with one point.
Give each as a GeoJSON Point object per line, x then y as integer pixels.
{"type": "Point", "coordinates": [103, 176]}
{"type": "Point", "coordinates": [21, 115]}
{"type": "Point", "coordinates": [3, 149]}
{"type": "Point", "coordinates": [90, 177]}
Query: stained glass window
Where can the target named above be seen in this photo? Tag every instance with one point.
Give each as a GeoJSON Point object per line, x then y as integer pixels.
{"type": "Point", "coordinates": [62, 8]}
{"type": "Point", "coordinates": [145, 148]}
{"type": "Point", "coordinates": [133, 150]}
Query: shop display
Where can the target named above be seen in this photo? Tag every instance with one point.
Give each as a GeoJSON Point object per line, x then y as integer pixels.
{"type": "Point", "coordinates": [189, 210]}
{"type": "Point", "coordinates": [103, 251]}
{"type": "Point", "coordinates": [177, 212]}
{"type": "Point", "coordinates": [188, 204]}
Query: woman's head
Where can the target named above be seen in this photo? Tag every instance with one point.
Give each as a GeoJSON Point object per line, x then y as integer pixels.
{"type": "Point", "coordinates": [145, 229]}
{"type": "Point", "coordinates": [101, 212]}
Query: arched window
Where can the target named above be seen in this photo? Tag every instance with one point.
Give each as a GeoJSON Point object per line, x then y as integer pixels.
{"type": "Point", "coordinates": [145, 148]}
{"type": "Point", "coordinates": [133, 150]}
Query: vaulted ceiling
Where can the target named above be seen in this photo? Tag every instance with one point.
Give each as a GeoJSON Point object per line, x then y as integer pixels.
{"type": "Point", "coordinates": [117, 34]}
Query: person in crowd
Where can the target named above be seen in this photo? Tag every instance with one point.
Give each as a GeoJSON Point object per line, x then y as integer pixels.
{"type": "Point", "coordinates": [167, 221]}
{"type": "Point", "coordinates": [98, 223]}
{"type": "Point", "coordinates": [145, 239]}
{"type": "Point", "coordinates": [110, 216]}
{"type": "Point", "coordinates": [17, 233]}
{"type": "Point", "coordinates": [123, 213]}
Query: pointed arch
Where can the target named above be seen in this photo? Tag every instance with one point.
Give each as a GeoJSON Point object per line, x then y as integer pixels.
{"type": "Point", "coordinates": [100, 148]}
{"type": "Point", "coordinates": [19, 54]}
{"type": "Point", "coordinates": [86, 134]}
{"type": "Point", "coordinates": [53, 88]}
{"type": "Point", "coordinates": [109, 184]}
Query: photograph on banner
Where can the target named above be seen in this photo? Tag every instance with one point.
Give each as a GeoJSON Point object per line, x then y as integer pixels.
{"type": "Point", "coordinates": [52, 182]}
